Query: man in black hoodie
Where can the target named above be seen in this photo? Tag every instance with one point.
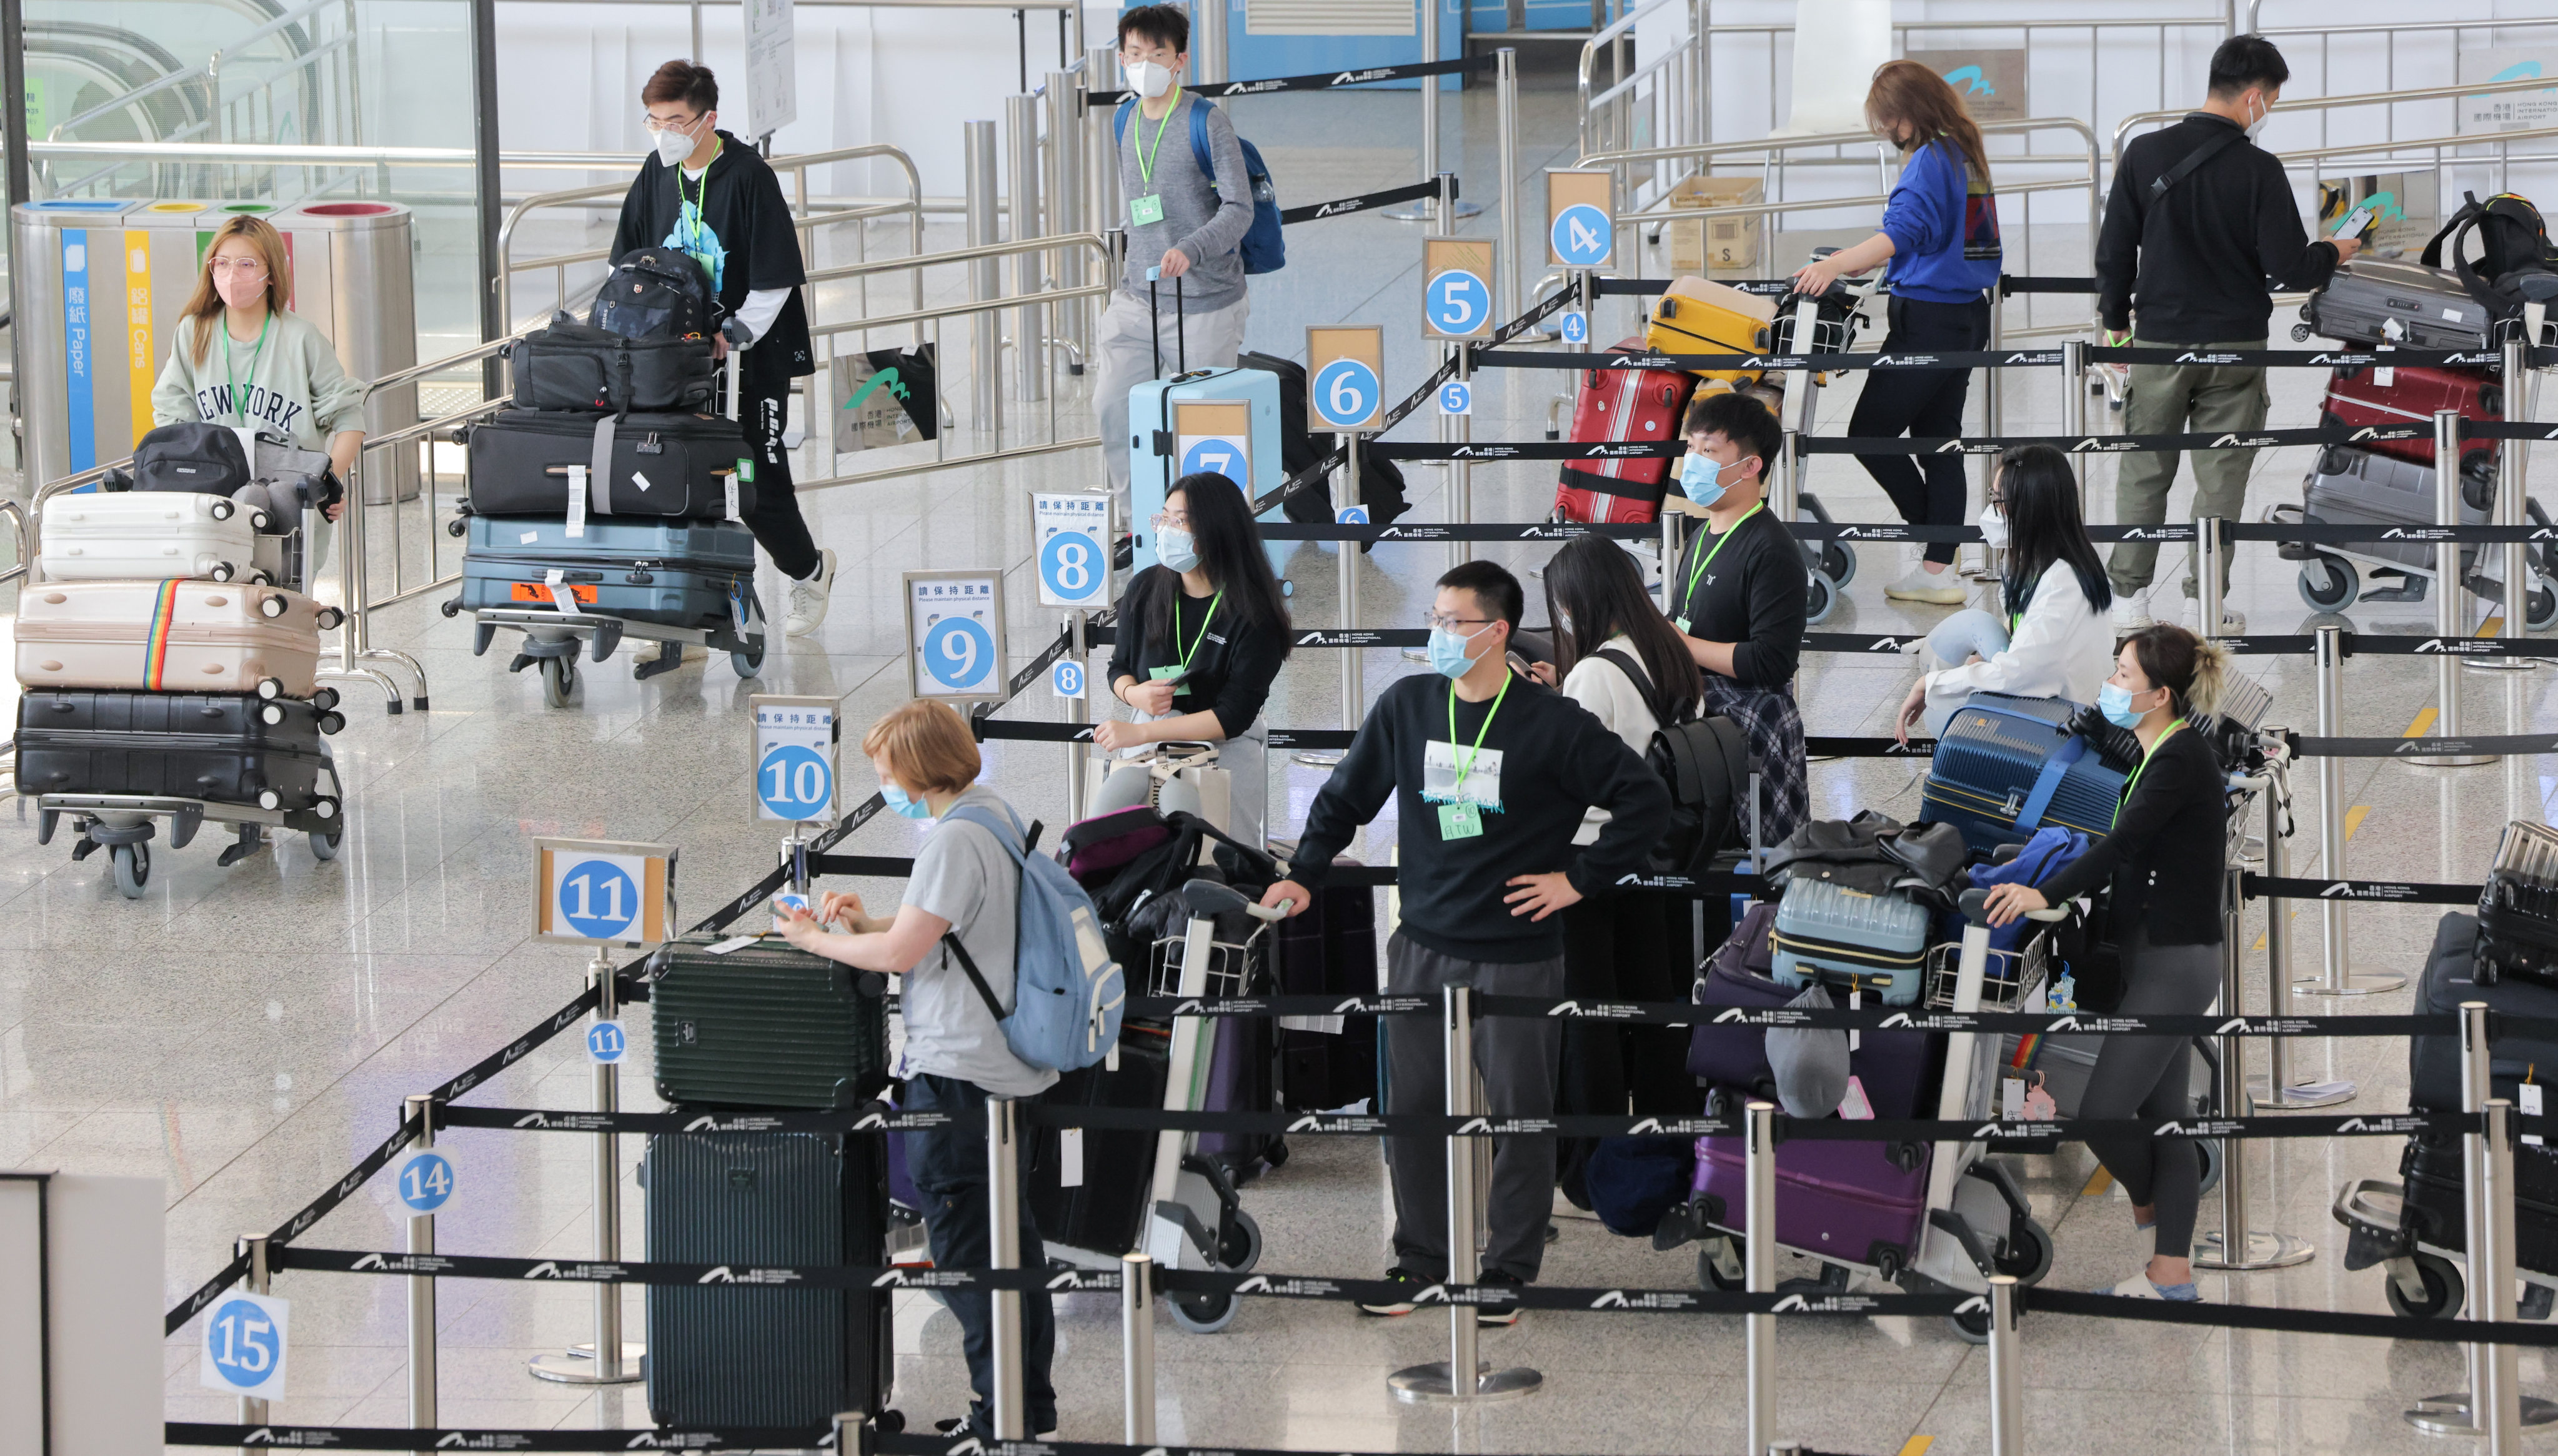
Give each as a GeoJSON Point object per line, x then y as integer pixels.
{"type": "Point", "coordinates": [1491, 775]}
{"type": "Point", "coordinates": [2200, 218]}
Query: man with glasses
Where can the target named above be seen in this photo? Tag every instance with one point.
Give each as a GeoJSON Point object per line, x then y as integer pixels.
{"type": "Point", "coordinates": [710, 196]}
{"type": "Point", "coordinates": [1487, 863]}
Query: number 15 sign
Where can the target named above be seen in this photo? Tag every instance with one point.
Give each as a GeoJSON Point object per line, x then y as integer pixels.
{"type": "Point", "coordinates": [603, 892]}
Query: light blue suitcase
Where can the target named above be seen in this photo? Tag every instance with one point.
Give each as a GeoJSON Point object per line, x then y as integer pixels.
{"type": "Point", "coordinates": [1150, 428]}
{"type": "Point", "coordinates": [1849, 939]}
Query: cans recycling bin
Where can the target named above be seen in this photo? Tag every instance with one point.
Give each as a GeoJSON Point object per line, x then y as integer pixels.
{"type": "Point", "coordinates": [100, 286]}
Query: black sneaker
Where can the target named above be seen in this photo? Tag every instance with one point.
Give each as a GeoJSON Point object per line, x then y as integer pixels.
{"type": "Point", "coordinates": [1498, 1315]}
{"type": "Point", "coordinates": [1404, 1284]}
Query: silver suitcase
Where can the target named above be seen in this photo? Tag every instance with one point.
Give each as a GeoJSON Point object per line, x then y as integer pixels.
{"type": "Point", "coordinates": [2383, 301]}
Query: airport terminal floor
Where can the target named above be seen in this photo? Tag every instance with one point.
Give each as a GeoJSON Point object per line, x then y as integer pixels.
{"type": "Point", "coordinates": [245, 1034]}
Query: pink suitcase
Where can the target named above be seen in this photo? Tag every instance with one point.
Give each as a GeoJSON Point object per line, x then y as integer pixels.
{"type": "Point", "coordinates": [173, 636]}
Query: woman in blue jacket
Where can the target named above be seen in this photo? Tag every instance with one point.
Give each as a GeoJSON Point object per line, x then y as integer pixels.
{"type": "Point", "coordinates": [1940, 234]}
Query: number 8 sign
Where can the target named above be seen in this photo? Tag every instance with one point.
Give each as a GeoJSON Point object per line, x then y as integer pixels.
{"type": "Point", "coordinates": [1073, 534]}
{"type": "Point", "coordinates": [954, 635]}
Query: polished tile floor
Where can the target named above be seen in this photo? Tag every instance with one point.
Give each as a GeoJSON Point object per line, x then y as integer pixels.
{"type": "Point", "coordinates": [243, 1034]}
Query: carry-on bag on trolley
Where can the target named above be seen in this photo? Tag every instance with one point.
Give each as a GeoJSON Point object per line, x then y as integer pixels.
{"type": "Point", "coordinates": [2363, 396]}
{"type": "Point", "coordinates": [1695, 317]}
{"type": "Point", "coordinates": [577, 366]}
{"type": "Point", "coordinates": [2518, 933]}
{"type": "Point", "coordinates": [1221, 404]}
{"type": "Point", "coordinates": [748, 1355]}
{"type": "Point", "coordinates": [765, 1025]}
{"type": "Point", "coordinates": [1853, 941]}
{"type": "Point", "coordinates": [692, 467]}
{"type": "Point", "coordinates": [680, 574]}
{"type": "Point", "coordinates": [153, 536]}
{"type": "Point", "coordinates": [221, 748]}
{"type": "Point", "coordinates": [2350, 486]}
{"type": "Point", "coordinates": [170, 637]}
{"type": "Point", "coordinates": [1623, 407]}
{"type": "Point", "coordinates": [2387, 301]}
{"type": "Point", "coordinates": [2006, 766]}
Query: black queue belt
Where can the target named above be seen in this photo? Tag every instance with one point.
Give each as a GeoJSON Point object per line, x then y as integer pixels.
{"type": "Point", "coordinates": [1500, 359]}
{"type": "Point", "coordinates": [479, 1438]}
{"type": "Point", "coordinates": [875, 1118]}
{"type": "Point", "coordinates": [2008, 286]}
{"type": "Point", "coordinates": [1364, 201]}
{"type": "Point", "coordinates": [2112, 443]}
{"type": "Point", "coordinates": [1471, 531]}
{"type": "Point", "coordinates": [1320, 80]}
{"type": "Point", "coordinates": [2299, 358]}
{"type": "Point", "coordinates": [2360, 892]}
{"type": "Point", "coordinates": [2312, 747]}
{"type": "Point", "coordinates": [2288, 1321]}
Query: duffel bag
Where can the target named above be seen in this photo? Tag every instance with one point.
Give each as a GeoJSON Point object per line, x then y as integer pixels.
{"type": "Point", "coordinates": [694, 467]}
{"type": "Point", "coordinates": [191, 455]}
{"type": "Point", "coordinates": [577, 366]}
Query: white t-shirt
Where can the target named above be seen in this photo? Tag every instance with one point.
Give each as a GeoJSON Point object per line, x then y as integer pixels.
{"type": "Point", "coordinates": [1615, 701]}
{"type": "Point", "coordinates": [967, 877]}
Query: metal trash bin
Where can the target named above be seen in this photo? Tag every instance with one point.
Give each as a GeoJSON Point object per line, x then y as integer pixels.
{"type": "Point", "coordinates": [353, 276]}
{"type": "Point", "coordinates": [77, 405]}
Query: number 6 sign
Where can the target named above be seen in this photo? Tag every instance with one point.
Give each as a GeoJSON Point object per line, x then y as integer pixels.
{"type": "Point", "coordinates": [1345, 365]}
{"type": "Point", "coordinates": [603, 892]}
{"type": "Point", "coordinates": [954, 635]}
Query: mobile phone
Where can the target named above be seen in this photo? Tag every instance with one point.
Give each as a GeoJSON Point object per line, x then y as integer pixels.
{"type": "Point", "coordinates": [788, 901]}
{"type": "Point", "coordinates": [2354, 223]}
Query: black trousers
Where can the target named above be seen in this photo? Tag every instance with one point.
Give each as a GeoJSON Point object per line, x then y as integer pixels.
{"type": "Point", "coordinates": [1618, 948]}
{"type": "Point", "coordinates": [765, 413]}
{"type": "Point", "coordinates": [948, 1165]}
{"type": "Point", "coordinates": [1927, 403]}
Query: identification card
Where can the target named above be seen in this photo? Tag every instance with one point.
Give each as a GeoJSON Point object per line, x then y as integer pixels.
{"type": "Point", "coordinates": [1174, 672]}
{"type": "Point", "coordinates": [1460, 821]}
{"type": "Point", "coordinates": [1145, 209]}
{"type": "Point", "coordinates": [1679, 622]}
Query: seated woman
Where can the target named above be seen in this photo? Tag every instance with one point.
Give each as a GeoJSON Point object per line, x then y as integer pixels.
{"type": "Point", "coordinates": [2053, 636]}
{"type": "Point", "coordinates": [237, 357]}
{"type": "Point", "coordinates": [1201, 637]}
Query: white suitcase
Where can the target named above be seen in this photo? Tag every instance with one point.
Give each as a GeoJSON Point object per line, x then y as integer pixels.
{"type": "Point", "coordinates": [146, 536]}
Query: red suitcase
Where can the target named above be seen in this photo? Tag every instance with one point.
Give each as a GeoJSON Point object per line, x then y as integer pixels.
{"type": "Point", "coordinates": [1642, 406]}
{"type": "Point", "coordinates": [2411, 396]}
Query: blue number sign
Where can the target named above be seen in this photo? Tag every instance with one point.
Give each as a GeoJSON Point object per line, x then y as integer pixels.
{"type": "Point", "coordinates": [424, 1181]}
{"type": "Point", "coordinates": [606, 1042]}
{"type": "Point", "coordinates": [1070, 566]}
{"type": "Point", "coordinates": [1456, 397]}
{"type": "Point", "coordinates": [599, 900]}
{"type": "Point", "coordinates": [1066, 678]}
{"type": "Point", "coordinates": [1458, 302]}
{"type": "Point", "coordinates": [796, 783]}
{"type": "Point", "coordinates": [959, 655]}
{"type": "Point", "coordinates": [1576, 327]}
{"type": "Point", "coordinates": [1583, 236]}
{"type": "Point", "coordinates": [1346, 393]}
{"type": "Point", "coordinates": [1216, 455]}
{"type": "Point", "coordinates": [245, 1345]}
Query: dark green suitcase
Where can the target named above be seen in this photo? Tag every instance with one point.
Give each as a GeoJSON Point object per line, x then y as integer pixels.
{"type": "Point", "coordinates": [766, 1025]}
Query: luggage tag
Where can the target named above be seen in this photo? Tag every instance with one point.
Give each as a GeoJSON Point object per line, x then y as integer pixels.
{"type": "Point", "coordinates": [1855, 1105]}
{"type": "Point", "coordinates": [2012, 1099]}
{"type": "Point", "coordinates": [1069, 1157]}
{"type": "Point", "coordinates": [575, 502]}
{"type": "Point", "coordinates": [745, 472]}
{"type": "Point", "coordinates": [1855, 1003]}
{"type": "Point", "coordinates": [736, 606]}
{"type": "Point", "coordinates": [2529, 1100]}
{"type": "Point", "coordinates": [563, 596]}
{"type": "Point", "coordinates": [733, 943]}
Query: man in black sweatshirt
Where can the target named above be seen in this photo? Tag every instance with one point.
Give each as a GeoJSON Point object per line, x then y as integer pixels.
{"type": "Point", "coordinates": [1491, 775]}
{"type": "Point", "coordinates": [2200, 218]}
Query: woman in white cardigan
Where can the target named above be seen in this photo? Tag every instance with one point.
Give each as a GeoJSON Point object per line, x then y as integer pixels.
{"type": "Point", "coordinates": [2053, 637]}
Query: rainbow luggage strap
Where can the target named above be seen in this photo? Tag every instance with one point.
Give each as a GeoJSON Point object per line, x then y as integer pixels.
{"type": "Point", "coordinates": [155, 643]}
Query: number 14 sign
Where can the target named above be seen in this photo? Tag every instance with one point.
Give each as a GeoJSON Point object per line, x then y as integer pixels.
{"type": "Point", "coordinates": [601, 893]}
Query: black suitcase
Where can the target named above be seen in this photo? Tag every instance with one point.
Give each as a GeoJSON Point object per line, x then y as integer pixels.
{"type": "Point", "coordinates": [743, 1355]}
{"type": "Point", "coordinates": [1095, 1203]}
{"type": "Point", "coordinates": [766, 1025]}
{"type": "Point", "coordinates": [658, 465]}
{"type": "Point", "coordinates": [1330, 949]}
{"type": "Point", "coordinates": [221, 748]}
{"type": "Point", "coordinates": [579, 367]}
{"type": "Point", "coordinates": [2434, 1062]}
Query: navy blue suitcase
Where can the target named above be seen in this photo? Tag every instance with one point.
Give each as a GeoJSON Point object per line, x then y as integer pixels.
{"type": "Point", "coordinates": [677, 573]}
{"type": "Point", "coordinates": [2007, 766]}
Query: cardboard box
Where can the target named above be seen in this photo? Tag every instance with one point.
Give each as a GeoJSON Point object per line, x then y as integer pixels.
{"type": "Point", "coordinates": [1700, 243]}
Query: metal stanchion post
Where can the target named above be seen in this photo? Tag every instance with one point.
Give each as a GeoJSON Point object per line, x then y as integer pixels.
{"type": "Point", "coordinates": [2278, 1091]}
{"type": "Point", "coordinates": [2235, 1248]}
{"type": "Point", "coordinates": [2209, 583]}
{"type": "Point", "coordinates": [1349, 563]}
{"type": "Point", "coordinates": [985, 280]}
{"type": "Point", "coordinates": [2073, 405]}
{"type": "Point", "coordinates": [1427, 207]}
{"type": "Point", "coordinates": [262, 1281]}
{"type": "Point", "coordinates": [1003, 1219]}
{"type": "Point", "coordinates": [1062, 187]}
{"type": "Point", "coordinates": [1078, 709]}
{"type": "Point", "coordinates": [2007, 1371]}
{"type": "Point", "coordinates": [1137, 1346]}
{"type": "Point", "coordinates": [1758, 1268]}
{"type": "Point", "coordinates": [1022, 197]}
{"type": "Point", "coordinates": [2513, 557]}
{"type": "Point", "coordinates": [2451, 593]}
{"type": "Point", "coordinates": [1461, 474]}
{"type": "Point", "coordinates": [1505, 257]}
{"type": "Point", "coordinates": [1788, 483]}
{"type": "Point", "coordinates": [1207, 43]}
{"type": "Point", "coordinates": [1100, 150]}
{"type": "Point", "coordinates": [1673, 539]}
{"type": "Point", "coordinates": [610, 1361]}
{"type": "Point", "coordinates": [2327, 656]}
{"type": "Point", "coordinates": [2500, 1394]}
{"type": "Point", "coordinates": [1439, 1382]}
{"type": "Point", "coordinates": [419, 1112]}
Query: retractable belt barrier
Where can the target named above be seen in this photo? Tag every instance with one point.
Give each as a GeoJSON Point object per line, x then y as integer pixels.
{"type": "Point", "coordinates": [2008, 286]}
{"type": "Point", "coordinates": [1320, 81]}
{"type": "Point", "coordinates": [1344, 206]}
{"type": "Point", "coordinates": [2018, 358]}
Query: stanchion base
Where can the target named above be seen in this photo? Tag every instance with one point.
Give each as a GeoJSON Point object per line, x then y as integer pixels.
{"type": "Point", "coordinates": [1317, 761]}
{"type": "Point", "coordinates": [2300, 1094]}
{"type": "Point", "coordinates": [632, 1349]}
{"type": "Point", "coordinates": [2263, 1251]}
{"type": "Point", "coordinates": [2453, 760]}
{"type": "Point", "coordinates": [2449, 1415]}
{"type": "Point", "coordinates": [1428, 1384]}
{"type": "Point", "coordinates": [1428, 209]}
{"type": "Point", "coordinates": [2500, 664]}
{"type": "Point", "coordinates": [2356, 982]}
{"type": "Point", "coordinates": [579, 1370]}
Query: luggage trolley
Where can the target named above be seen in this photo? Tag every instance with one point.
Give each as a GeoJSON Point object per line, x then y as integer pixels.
{"type": "Point", "coordinates": [2331, 578]}
{"type": "Point", "coordinates": [1833, 563]}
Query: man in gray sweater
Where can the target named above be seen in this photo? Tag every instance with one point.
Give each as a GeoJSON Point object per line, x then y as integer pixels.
{"type": "Point", "coordinates": [1185, 221]}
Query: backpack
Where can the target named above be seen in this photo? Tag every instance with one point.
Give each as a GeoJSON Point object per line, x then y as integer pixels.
{"type": "Point", "coordinates": [574, 366]}
{"type": "Point", "coordinates": [1264, 250]}
{"type": "Point", "coordinates": [2514, 244]}
{"type": "Point", "coordinates": [654, 293]}
{"type": "Point", "coordinates": [193, 455]}
{"type": "Point", "coordinates": [1067, 991]}
{"type": "Point", "coordinates": [1705, 763]}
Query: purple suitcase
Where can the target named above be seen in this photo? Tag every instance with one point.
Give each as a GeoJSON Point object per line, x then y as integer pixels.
{"type": "Point", "coordinates": [1845, 1201]}
{"type": "Point", "coordinates": [1239, 1073]}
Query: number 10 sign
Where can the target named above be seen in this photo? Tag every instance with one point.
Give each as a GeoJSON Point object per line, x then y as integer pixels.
{"type": "Point", "coordinates": [603, 892]}
{"type": "Point", "coordinates": [954, 634]}
{"type": "Point", "coordinates": [795, 759]}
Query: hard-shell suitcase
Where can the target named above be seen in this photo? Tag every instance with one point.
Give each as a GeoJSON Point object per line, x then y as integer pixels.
{"type": "Point", "coordinates": [146, 536]}
{"type": "Point", "coordinates": [1623, 407]}
{"type": "Point", "coordinates": [1695, 317]}
{"type": "Point", "coordinates": [1090, 1186]}
{"type": "Point", "coordinates": [1892, 1066]}
{"type": "Point", "coordinates": [655, 465]}
{"type": "Point", "coordinates": [2412, 394]}
{"type": "Point", "coordinates": [683, 573]}
{"type": "Point", "coordinates": [2006, 766]}
{"type": "Point", "coordinates": [2517, 932]}
{"type": "Point", "coordinates": [2436, 1187]}
{"type": "Point", "coordinates": [2387, 300]}
{"type": "Point", "coordinates": [2351, 487]}
{"type": "Point", "coordinates": [1243, 1077]}
{"type": "Point", "coordinates": [1224, 421]}
{"type": "Point", "coordinates": [1850, 939]}
{"type": "Point", "coordinates": [1853, 1201]}
{"type": "Point", "coordinates": [748, 1355]}
{"type": "Point", "coordinates": [170, 637]}
{"type": "Point", "coordinates": [1329, 950]}
{"type": "Point", "coordinates": [221, 748]}
{"type": "Point", "coordinates": [765, 1025]}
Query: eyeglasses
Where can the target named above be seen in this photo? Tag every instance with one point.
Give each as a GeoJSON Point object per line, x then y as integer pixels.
{"type": "Point", "coordinates": [245, 267]}
{"type": "Point", "coordinates": [1171, 520]}
{"type": "Point", "coordinates": [1441, 622]}
{"type": "Point", "coordinates": [678, 124]}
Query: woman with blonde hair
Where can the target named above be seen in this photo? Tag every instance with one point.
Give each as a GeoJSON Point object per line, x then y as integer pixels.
{"type": "Point", "coordinates": [238, 357]}
{"type": "Point", "coordinates": [1940, 234]}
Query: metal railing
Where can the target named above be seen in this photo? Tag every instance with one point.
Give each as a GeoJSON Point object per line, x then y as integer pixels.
{"type": "Point", "coordinates": [2388, 34]}
{"type": "Point", "coordinates": [1671, 97]}
{"type": "Point", "coordinates": [2323, 104]}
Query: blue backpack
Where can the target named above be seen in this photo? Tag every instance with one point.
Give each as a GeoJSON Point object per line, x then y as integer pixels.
{"type": "Point", "coordinates": [1067, 991]}
{"type": "Point", "coordinates": [1264, 250]}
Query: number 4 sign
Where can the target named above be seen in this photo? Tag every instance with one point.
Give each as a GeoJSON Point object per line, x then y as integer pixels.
{"type": "Point", "coordinates": [603, 892]}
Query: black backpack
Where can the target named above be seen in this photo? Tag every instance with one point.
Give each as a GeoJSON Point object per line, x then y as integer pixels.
{"type": "Point", "coordinates": [654, 293]}
{"type": "Point", "coordinates": [1382, 488]}
{"type": "Point", "coordinates": [577, 366]}
{"type": "Point", "coordinates": [1705, 763]}
{"type": "Point", "coordinates": [195, 456]}
{"type": "Point", "coordinates": [2513, 246]}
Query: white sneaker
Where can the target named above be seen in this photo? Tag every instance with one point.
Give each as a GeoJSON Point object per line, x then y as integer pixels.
{"type": "Point", "coordinates": [808, 597]}
{"type": "Point", "coordinates": [2233, 624]}
{"type": "Point", "coordinates": [2132, 614]}
{"type": "Point", "coordinates": [1937, 589]}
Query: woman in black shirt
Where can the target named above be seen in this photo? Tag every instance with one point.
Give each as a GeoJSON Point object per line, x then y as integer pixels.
{"type": "Point", "coordinates": [1739, 599]}
{"type": "Point", "coordinates": [1201, 637]}
{"type": "Point", "coordinates": [2166, 861]}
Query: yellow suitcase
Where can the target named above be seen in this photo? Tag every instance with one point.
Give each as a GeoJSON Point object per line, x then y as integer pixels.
{"type": "Point", "coordinates": [1695, 317]}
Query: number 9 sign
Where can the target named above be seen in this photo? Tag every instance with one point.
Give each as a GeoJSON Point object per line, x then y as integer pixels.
{"type": "Point", "coordinates": [954, 634]}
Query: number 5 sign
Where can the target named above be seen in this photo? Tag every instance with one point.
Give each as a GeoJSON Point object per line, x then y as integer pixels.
{"type": "Point", "coordinates": [1344, 367]}
{"type": "Point", "coordinates": [1071, 535]}
{"type": "Point", "coordinates": [603, 892]}
{"type": "Point", "coordinates": [795, 759]}
{"type": "Point", "coordinates": [954, 635]}
{"type": "Point", "coordinates": [1456, 294]}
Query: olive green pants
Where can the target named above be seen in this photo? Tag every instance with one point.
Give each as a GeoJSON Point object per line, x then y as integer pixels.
{"type": "Point", "coordinates": [2175, 399]}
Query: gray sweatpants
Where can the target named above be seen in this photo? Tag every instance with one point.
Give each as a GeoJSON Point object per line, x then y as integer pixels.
{"type": "Point", "coordinates": [2148, 1077]}
{"type": "Point", "coordinates": [1518, 1058]}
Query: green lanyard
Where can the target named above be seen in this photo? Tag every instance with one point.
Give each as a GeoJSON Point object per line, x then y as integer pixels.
{"type": "Point", "coordinates": [688, 210]}
{"type": "Point", "coordinates": [240, 402]}
{"type": "Point", "coordinates": [1196, 637]}
{"type": "Point", "coordinates": [1688, 598]}
{"type": "Point", "coordinates": [2134, 780]}
{"type": "Point", "coordinates": [1466, 765]}
{"type": "Point", "coordinates": [1145, 158]}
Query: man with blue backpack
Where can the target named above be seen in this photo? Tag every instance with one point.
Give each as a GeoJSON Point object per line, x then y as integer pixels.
{"type": "Point", "coordinates": [1191, 221]}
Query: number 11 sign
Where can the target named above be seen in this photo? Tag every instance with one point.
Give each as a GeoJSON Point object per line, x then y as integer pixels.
{"type": "Point", "coordinates": [603, 892]}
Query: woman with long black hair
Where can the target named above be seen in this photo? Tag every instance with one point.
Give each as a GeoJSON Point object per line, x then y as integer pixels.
{"type": "Point", "coordinates": [1621, 659]}
{"type": "Point", "coordinates": [1202, 634]}
{"type": "Point", "coordinates": [2052, 636]}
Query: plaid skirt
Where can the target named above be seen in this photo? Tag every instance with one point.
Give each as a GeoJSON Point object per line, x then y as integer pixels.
{"type": "Point", "coordinates": [1774, 726]}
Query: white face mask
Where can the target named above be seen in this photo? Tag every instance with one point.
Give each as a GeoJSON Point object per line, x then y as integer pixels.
{"type": "Point", "coordinates": [2264, 113]}
{"type": "Point", "coordinates": [1993, 528]}
{"type": "Point", "coordinates": [1149, 80]}
{"type": "Point", "coordinates": [674, 145]}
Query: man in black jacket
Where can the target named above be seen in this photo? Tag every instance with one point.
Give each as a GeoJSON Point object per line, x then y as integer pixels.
{"type": "Point", "coordinates": [1491, 775]}
{"type": "Point", "coordinates": [2198, 221]}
